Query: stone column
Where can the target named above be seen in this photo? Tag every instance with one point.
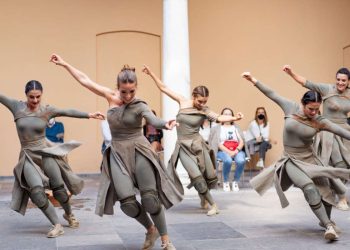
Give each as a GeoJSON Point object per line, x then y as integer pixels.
{"type": "Point", "coordinates": [176, 64]}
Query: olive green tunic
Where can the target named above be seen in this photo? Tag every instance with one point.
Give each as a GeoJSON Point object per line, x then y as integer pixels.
{"type": "Point", "coordinates": [125, 123]}
{"type": "Point", "coordinates": [31, 132]}
{"type": "Point", "coordinates": [193, 144]}
{"type": "Point", "coordinates": [298, 134]}
{"type": "Point", "coordinates": [330, 147]}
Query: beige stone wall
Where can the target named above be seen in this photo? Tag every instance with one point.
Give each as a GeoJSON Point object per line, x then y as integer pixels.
{"type": "Point", "coordinates": [32, 30]}
{"type": "Point", "coordinates": [227, 37]}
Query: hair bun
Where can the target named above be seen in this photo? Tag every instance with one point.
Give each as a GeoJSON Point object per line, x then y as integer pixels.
{"type": "Point", "coordinates": [127, 67]}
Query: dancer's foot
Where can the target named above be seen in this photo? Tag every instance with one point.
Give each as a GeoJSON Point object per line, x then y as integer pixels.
{"type": "Point", "coordinates": [336, 228]}
{"type": "Point", "coordinates": [204, 203]}
{"type": "Point", "coordinates": [167, 246]}
{"type": "Point", "coordinates": [151, 237]}
{"type": "Point", "coordinates": [343, 205]}
{"type": "Point", "coordinates": [55, 231]}
{"type": "Point", "coordinates": [213, 210]}
{"type": "Point", "coordinates": [73, 222]}
{"type": "Point", "coordinates": [330, 233]}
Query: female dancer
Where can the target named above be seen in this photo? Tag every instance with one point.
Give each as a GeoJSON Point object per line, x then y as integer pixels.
{"type": "Point", "coordinates": [130, 162]}
{"type": "Point", "coordinates": [332, 149]}
{"type": "Point", "coordinates": [299, 164]}
{"type": "Point", "coordinates": [42, 165]}
{"type": "Point", "coordinates": [190, 147]}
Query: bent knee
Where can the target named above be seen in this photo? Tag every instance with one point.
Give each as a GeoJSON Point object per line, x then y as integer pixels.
{"type": "Point", "coordinates": [39, 198]}
{"type": "Point", "coordinates": [312, 195]}
{"type": "Point", "coordinates": [130, 206]}
{"type": "Point", "coordinates": [200, 185]}
{"type": "Point", "coordinates": [151, 202]}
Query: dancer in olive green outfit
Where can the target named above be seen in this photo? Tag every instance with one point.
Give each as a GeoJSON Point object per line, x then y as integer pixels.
{"type": "Point", "coordinates": [194, 153]}
{"type": "Point", "coordinates": [42, 165]}
{"type": "Point", "coordinates": [332, 149]}
{"type": "Point", "coordinates": [130, 162]}
{"type": "Point", "coordinates": [299, 164]}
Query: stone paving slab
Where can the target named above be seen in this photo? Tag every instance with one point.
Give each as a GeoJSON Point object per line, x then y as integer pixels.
{"type": "Point", "coordinates": [246, 222]}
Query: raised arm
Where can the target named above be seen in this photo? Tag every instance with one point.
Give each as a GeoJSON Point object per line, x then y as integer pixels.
{"type": "Point", "coordinates": [8, 103]}
{"type": "Point", "coordinates": [322, 88]}
{"type": "Point", "coordinates": [286, 105]}
{"type": "Point", "coordinates": [299, 79]}
{"type": "Point", "coordinates": [83, 79]}
{"type": "Point", "coordinates": [162, 87]}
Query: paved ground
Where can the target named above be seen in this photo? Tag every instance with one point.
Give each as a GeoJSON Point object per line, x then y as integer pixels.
{"type": "Point", "coordinates": [246, 221]}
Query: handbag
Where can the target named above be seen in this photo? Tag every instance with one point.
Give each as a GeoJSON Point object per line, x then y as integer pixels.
{"type": "Point", "coordinates": [231, 145]}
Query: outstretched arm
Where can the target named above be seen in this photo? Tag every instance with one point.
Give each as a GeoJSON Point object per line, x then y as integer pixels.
{"type": "Point", "coordinates": [8, 102]}
{"type": "Point", "coordinates": [82, 78]}
{"type": "Point", "coordinates": [228, 118]}
{"type": "Point", "coordinates": [322, 88]}
{"type": "Point", "coordinates": [155, 121]}
{"type": "Point", "coordinates": [162, 87]}
{"type": "Point", "coordinates": [299, 79]}
{"type": "Point", "coordinates": [334, 128]}
{"type": "Point", "coordinates": [286, 105]}
{"type": "Point", "coordinates": [55, 112]}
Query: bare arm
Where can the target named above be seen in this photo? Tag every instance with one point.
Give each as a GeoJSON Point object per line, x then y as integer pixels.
{"type": "Point", "coordinates": [286, 105]}
{"type": "Point", "coordinates": [299, 79]}
{"type": "Point", "coordinates": [83, 79]}
{"type": "Point", "coordinates": [162, 87]}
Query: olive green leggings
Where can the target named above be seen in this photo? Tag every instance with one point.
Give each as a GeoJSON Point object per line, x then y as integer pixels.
{"type": "Point", "coordinates": [33, 179]}
{"type": "Point", "coordinates": [145, 177]}
{"type": "Point", "coordinates": [194, 172]}
{"type": "Point", "coordinates": [321, 209]}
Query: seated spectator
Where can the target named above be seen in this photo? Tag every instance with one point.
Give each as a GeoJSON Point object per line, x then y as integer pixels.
{"type": "Point", "coordinates": [257, 136]}
{"type": "Point", "coordinates": [55, 131]}
{"type": "Point", "coordinates": [154, 136]}
{"type": "Point", "coordinates": [227, 140]}
{"type": "Point", "coordinates": [106, 133]}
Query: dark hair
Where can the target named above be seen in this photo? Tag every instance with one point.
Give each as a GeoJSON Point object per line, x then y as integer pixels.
{"type": "Point", "coordinates": [343, 71]}
{"type": "Point", "coordinates": [311, 96]}
{"type": "Point", "coordinates": [126, 75]}
{"type": "Point", "coordinates": [200, 90]}
{"type": "Point", "coordinates": [256, 116]}
{"type": "Point", "coordinates": [33, 85]}
{"type": "Point", "coordinates": [222, 112]}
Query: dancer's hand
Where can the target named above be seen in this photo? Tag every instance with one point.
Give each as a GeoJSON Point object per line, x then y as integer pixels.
{"type": "Point", "coordinates": [56, 59]}
{"type": "Point", "coordinates": [239, 115]}
{"type": "Point", "coordinates": [146, 70]}
{"type": "Point", "coordinates": [171, 124]}
{"type": "Point", "coordinates": [97, 115]}
{"type": "Point", "coordinates": [288, 69]}
{"type": "Point", "coordinates": [248, 76]}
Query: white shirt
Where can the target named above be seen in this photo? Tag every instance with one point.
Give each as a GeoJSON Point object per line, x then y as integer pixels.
{"type": "Point", "coordinates": [106, 132]}
{"type": "Point", "coordinates": [255, 130]}
{"type": "Point", "coordinates": [228, 133]}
